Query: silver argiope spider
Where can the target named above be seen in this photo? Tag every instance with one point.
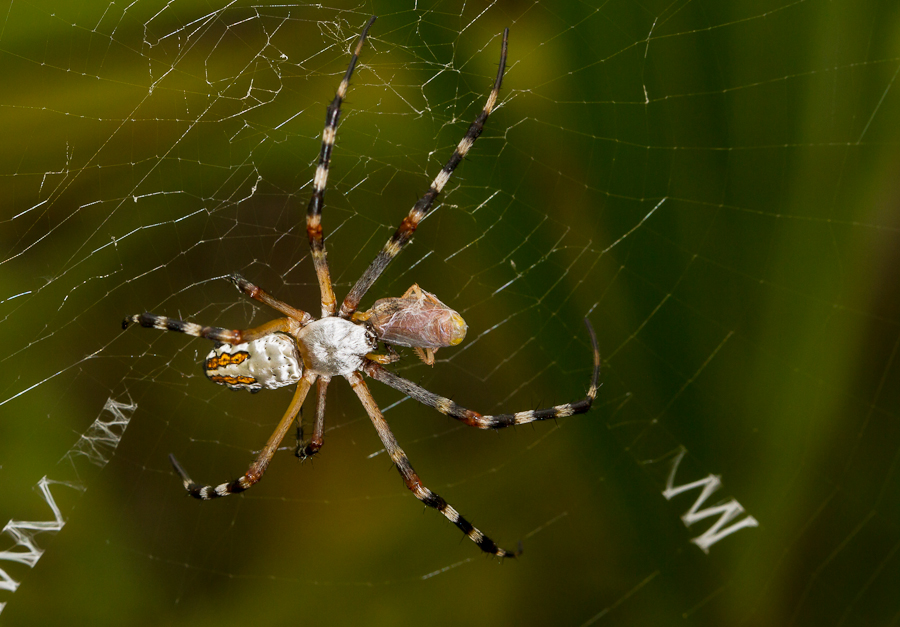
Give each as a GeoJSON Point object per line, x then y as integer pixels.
{"type": "Point", "coordinates": [298, 349]}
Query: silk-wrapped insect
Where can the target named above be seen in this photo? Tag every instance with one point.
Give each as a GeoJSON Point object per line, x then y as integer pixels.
{"type": "Point", "coordinates": [417, 320]}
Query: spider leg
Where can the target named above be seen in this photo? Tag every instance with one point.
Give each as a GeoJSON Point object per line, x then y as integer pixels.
{"type": "Point", "coordinates": [314, 211]}
{"type": "Point", "coordinates": [473, 418]}
{"type": "Point", "coordinates": [424, 205]}
{"type": "Point", "coordinates": [257, 293]}
{"type": "Point", "coordinates": [256, 470]}
{"type": "Point", "coordinates": [218, 334]}
{"type": "Point", "coordinates": [307, 450]}
{"type": "Point", "coordinates": [410, 477]}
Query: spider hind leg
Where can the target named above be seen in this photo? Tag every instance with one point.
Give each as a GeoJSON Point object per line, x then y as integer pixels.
{"type": "Point", "coordinates": [258, 467]}
{"type": "Point", "coordinates": [217, 334]}
{"type": "Point", "coordinates": [164, 323]}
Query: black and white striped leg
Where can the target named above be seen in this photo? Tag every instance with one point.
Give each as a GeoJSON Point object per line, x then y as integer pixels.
{"type": "Point", "coordinates": [424, 205]}
{"type": "Point", "coordinates": [305, 450]}
{"type": "Point", "coordinates": [258, 468]}
{"type": "Point", "coordinates": [473, 418]}
{"type": "Point", "coordinates": [410, 477]}
{"type": "Point", "coordinates": [218, 334]}
{"type": "Point", "coordinates": [257, 293]}
{"type": "Point", "coordinates": [314, 211]}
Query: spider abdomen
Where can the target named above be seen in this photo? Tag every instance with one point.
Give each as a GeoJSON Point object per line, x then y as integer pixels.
{"type": "Point", "coordinates": [270, 362]}
{"type": "Point", "coordinates": [333, 346]}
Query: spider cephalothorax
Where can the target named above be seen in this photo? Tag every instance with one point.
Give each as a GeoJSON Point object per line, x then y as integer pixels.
{"type": "Point", "coordinates": [299, 349]}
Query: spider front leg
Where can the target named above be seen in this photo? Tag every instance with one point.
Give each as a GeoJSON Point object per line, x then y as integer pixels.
{"type": "Point", "coordinates": [258, 468]}
{"type": "Point", "coordinates": [475, 419]}
{"type": "Point", "coordinates": [412, 480]}
{"type": "Point", "coordinates": [424, 205]}
{"type": "Point", "coordinates": [314, 210]}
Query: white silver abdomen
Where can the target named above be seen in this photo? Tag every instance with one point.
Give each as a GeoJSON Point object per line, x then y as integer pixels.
{"type": "Point", "coordinates": [270, 362]}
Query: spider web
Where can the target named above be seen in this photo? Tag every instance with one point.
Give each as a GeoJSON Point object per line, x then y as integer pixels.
{"type": "Point", "coordinates": [712, 184]}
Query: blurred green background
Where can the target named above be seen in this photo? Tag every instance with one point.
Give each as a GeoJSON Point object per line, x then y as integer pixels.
{"type": "Point", "coordinates": [714, 185]}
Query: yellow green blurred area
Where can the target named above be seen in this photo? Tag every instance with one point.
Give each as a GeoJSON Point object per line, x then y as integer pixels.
{"type": "Point", "coordinates": [713, 185]}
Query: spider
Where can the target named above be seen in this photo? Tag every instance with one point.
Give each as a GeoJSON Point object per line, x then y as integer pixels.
{"type": "Point", "coordinates": [299, 349]}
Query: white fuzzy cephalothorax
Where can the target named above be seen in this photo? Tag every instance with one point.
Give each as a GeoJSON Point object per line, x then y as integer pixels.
{"type": "Point", "coordinates": [334, 346]}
